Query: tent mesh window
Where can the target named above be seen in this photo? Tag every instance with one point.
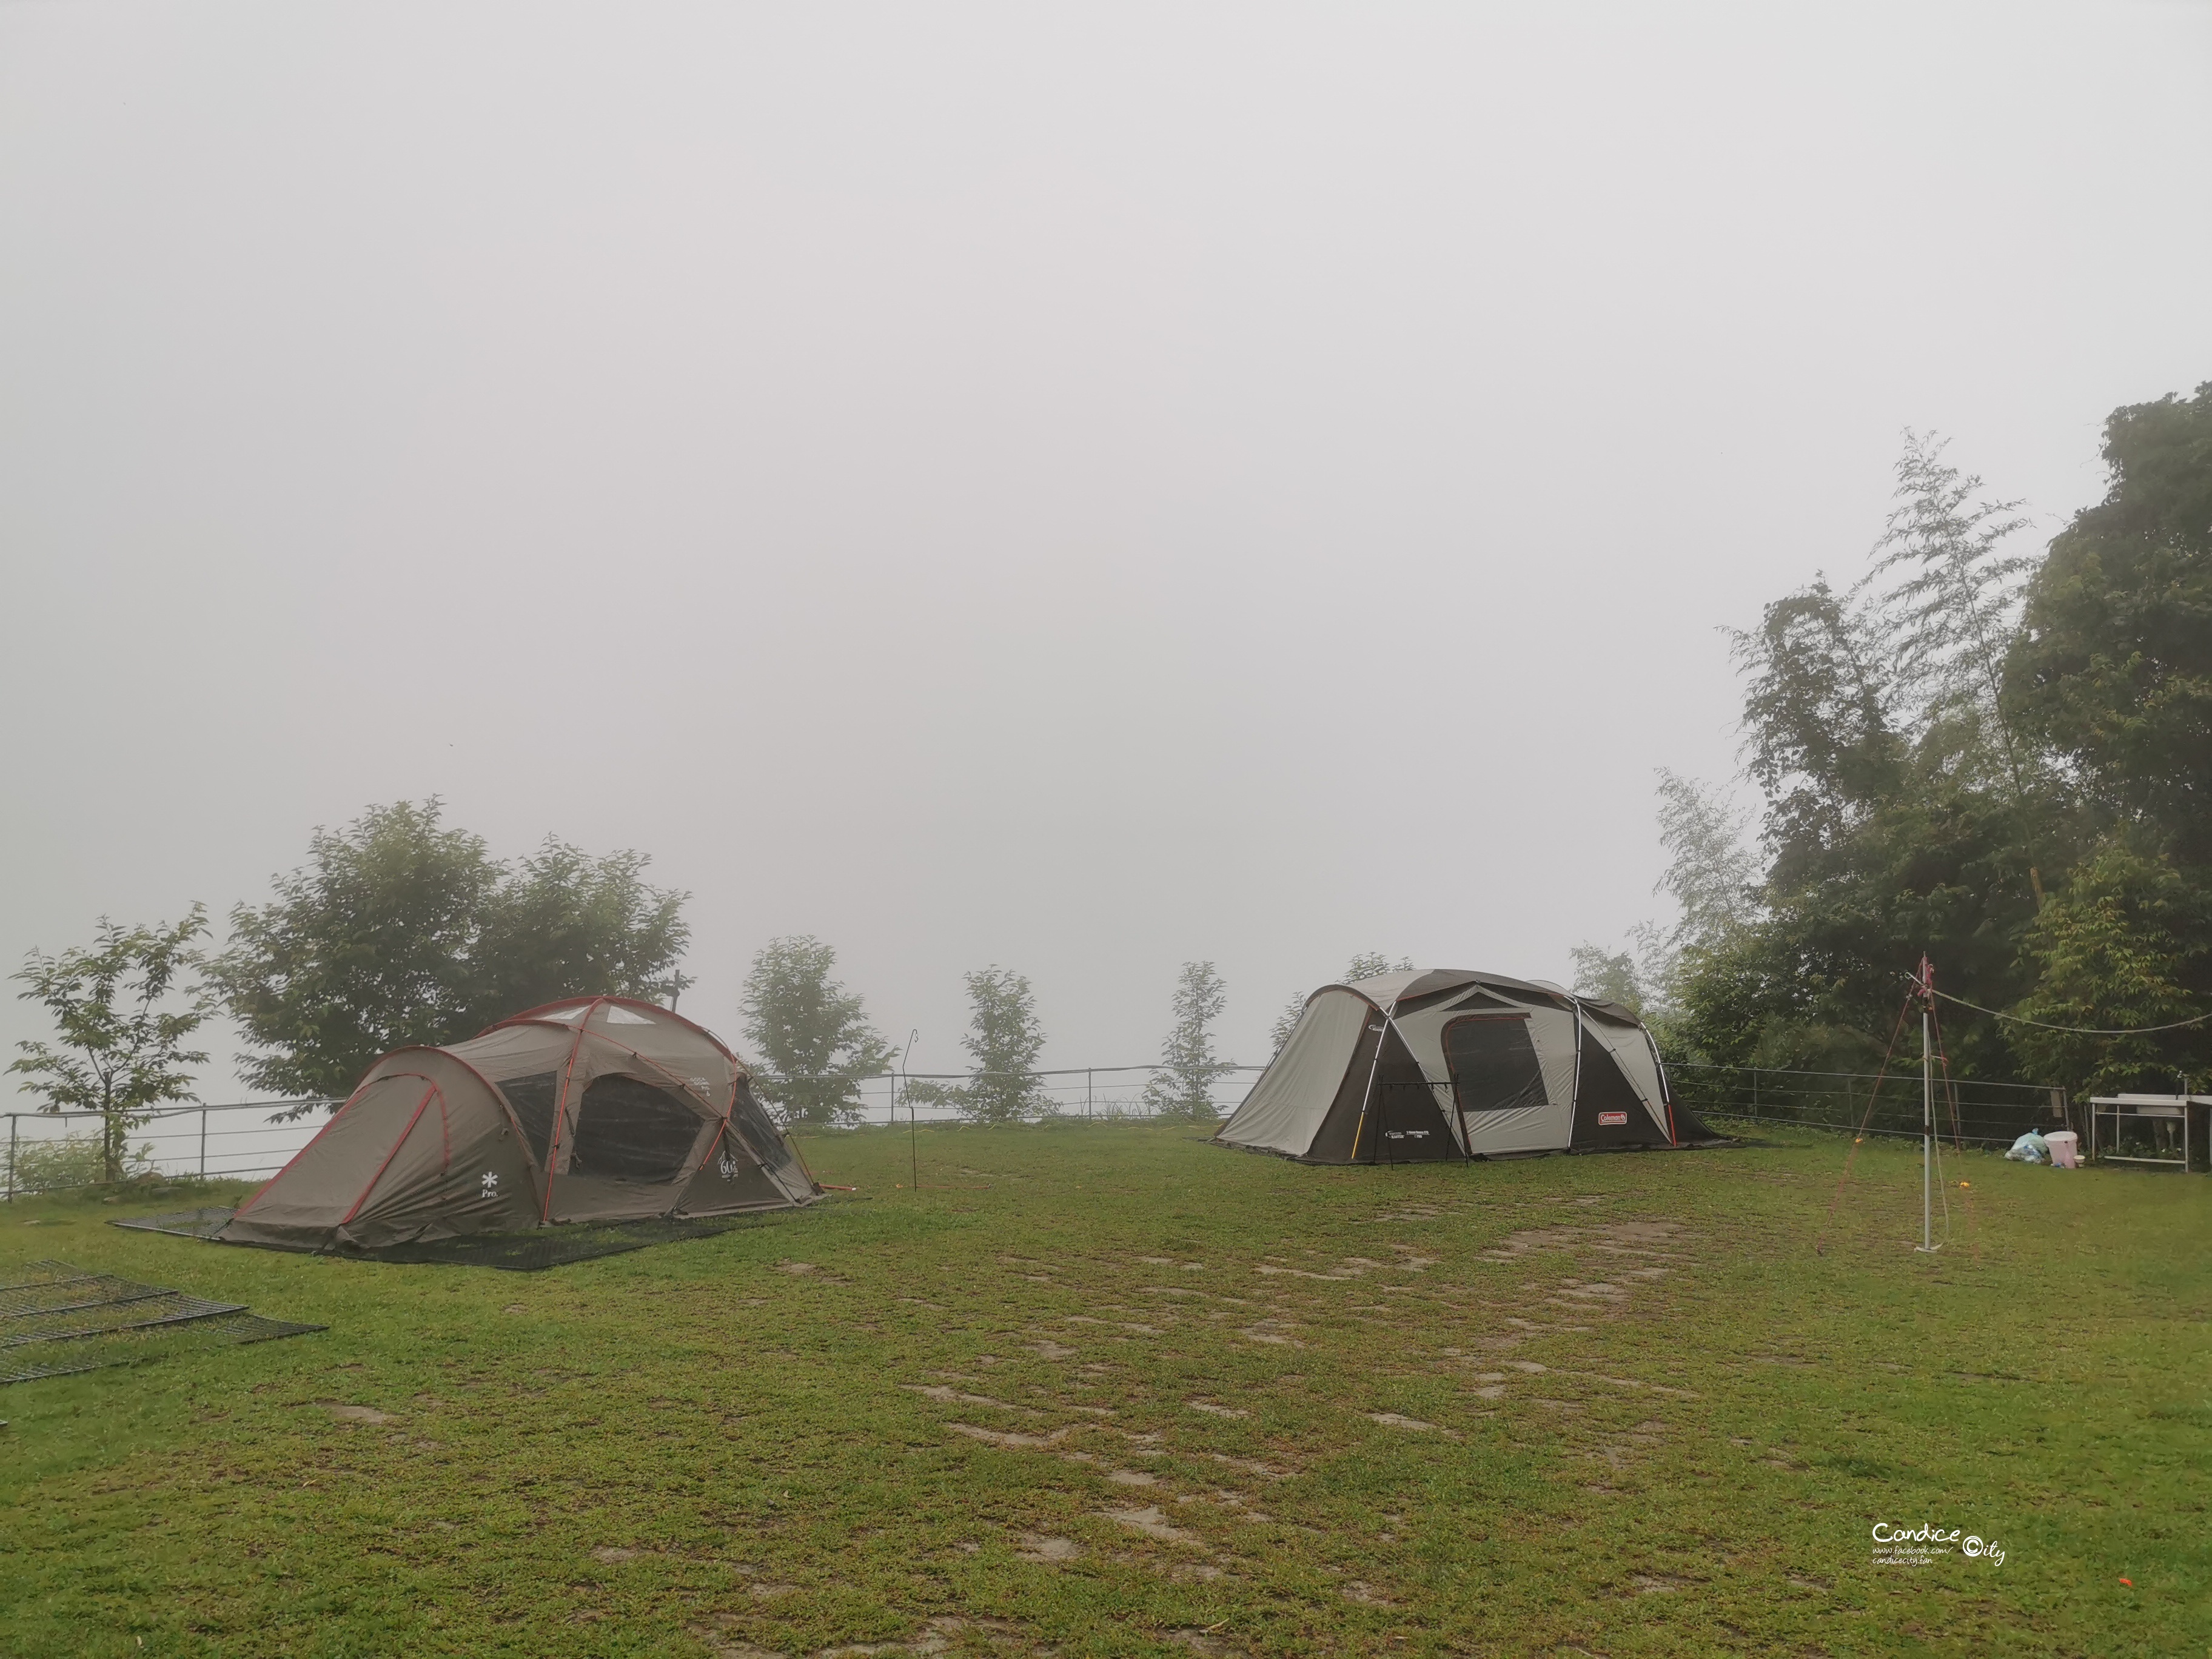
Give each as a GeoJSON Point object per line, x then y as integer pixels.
{"type": "Point", "coordinates": [627, 1129]}
{"type": "Point", "coordinates": [754, 1128]}
{"type": "Point", "coordinates": [1494, 1064]}
{"type": "Point", "coordinates": [64, 1319]}
{"type": "Point", "coordinates": [533, 1099]}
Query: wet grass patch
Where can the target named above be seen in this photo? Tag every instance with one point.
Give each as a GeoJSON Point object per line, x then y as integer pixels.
{"type": "Point", "coordinates": [1107, 1390]}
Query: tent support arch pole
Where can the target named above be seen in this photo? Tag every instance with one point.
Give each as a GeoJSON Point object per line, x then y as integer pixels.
{"type": "Point", "coordinates": [1666, 1089]}
{"type": "Point", "coordinates": [1367, 1100]}
{"type": "Point", "coordinates": [430, 1093]}
{"type": "Point", "coordinates": [1575, 1102]}
{"type": "Point", "coordinates": [561, 1108]}
{"type": "Point", "coordinates": [1459, 1111]}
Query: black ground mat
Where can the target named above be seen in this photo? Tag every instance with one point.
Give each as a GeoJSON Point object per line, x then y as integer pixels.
{"type": "Point", "coordinates": [548, 1247]}
{"type": "Point", "coordinates": [62, 1320]}
{"type": "Point", "coordinates": [528, 1252]}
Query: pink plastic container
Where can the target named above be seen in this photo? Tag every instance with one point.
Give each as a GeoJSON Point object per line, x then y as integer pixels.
{"type": "Point", "coordinates": [2065, 1148]}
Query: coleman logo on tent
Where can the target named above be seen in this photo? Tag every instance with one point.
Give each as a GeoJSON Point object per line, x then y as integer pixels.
{"type": "Point", "coordinates": [1612, 1120]}
{"type": "Point", "coordinates": [1403, 1134]}
{"type": "Point", "coordinates": [491, 1183]}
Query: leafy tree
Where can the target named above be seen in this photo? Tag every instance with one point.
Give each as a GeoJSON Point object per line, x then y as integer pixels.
{"type": "Point", "coordinates": [1713, 878]}
{"type": "Point", "coordinates": [1004, 1039]}
{"type": "Point", "coordinates": [1905, 806]}
{"type": "Point", "coordinates": [1711, 875]}
{"type": "Point", "coordinates": [1947, 624]}
{"type": "Point", "coordinates": [566, 924]}
{"type": "Point", "coordinates": [1949, 619]}
{"type": "Point", "coordinates": [1366, 965]}
{"type": "Point", "coordinates": [2126, 943]}
{"type": "Point", "coordinates": [124, 1017]}
{"type": "Point", "coordinates": [398, 930]}
{"type": "Point", "coordinates": [1816, 981]}
{"type": "Point", "coordinates": [2112, 666]}
{"type": "Point", "coordinates": [1610, 975]}
{"type": "Point", "coordinates": [1183, 1087]}
{"type": "Point", "coordinates": [812, 1032]}
{"type": "Point", "coordinates": [2113, 670]}
{"type": "Point", "coordinates": [1817, 734]}
{"type": "Point", "coordinates": [1373, 964]}
{"type": "Point", "coordinates": [365, 949]}
{"type": "Point", "coordinates": [2022, 797]}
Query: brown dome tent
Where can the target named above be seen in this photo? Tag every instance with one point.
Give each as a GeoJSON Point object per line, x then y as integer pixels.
{"type": "Point", "coordinates": [590, 1109]}
{"type": "Point", "coordinates": [1447, 1063]}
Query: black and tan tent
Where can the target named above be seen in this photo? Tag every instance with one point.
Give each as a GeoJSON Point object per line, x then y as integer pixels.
{"type": "Point", "coordinates": [592, 1109]}
{"type": "Point", "coordinates": [1444, 1063]}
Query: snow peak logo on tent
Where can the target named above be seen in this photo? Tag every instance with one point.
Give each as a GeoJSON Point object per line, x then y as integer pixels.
{"type": "Point", "coordinates": [1915, 1547]}
{"type": "Point", "coordinates": [1611, 1120]}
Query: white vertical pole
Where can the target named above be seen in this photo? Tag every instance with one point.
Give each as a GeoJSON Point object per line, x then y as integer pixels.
{"type": "Point", "coordinates": [1927, 1111]}
{"type": "Point", "coordinates": [1927, 1137]}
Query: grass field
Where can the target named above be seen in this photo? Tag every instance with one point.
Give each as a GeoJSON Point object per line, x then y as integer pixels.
{"type": "Point", "coordinates": [1107, 1390]}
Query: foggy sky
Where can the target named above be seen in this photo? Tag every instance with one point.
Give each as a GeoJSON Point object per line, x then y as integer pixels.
{"type": "Point", "coordinates": [1075, 488]}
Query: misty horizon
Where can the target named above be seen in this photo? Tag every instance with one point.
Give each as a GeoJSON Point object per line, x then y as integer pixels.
{"type": "Point", "coordinates": [1076, 492]}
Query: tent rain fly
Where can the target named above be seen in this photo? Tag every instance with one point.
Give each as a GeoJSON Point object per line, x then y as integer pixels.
{"type": "Point", "coordinates": [593, 1110]}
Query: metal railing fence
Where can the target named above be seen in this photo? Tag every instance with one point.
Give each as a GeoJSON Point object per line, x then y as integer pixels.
{"type": "Point", "coordinates": [57, 1151]}
{"type": "Point", "coordinates": [1987, 1113]}
{"type": "Point", "coordinates": [1108, 1093]}
{"type": "Point", "coordinates": [47, 1151]}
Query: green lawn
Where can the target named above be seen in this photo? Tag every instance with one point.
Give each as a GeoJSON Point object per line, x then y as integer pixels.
{"type": "Point", "coordinates": [1109, 1391]}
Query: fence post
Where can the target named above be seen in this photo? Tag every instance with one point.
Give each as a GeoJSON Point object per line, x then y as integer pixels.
{"type": "Point", "coordinates": [1086, 1094]}
{"type": "Point", "coordinates": [203, 1112]}
{"type": "Point", "coordinates": [11, 1158]}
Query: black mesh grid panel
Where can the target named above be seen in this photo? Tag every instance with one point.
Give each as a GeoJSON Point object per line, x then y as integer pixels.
{"type": "Point", "coordinates": [62, 1320]}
